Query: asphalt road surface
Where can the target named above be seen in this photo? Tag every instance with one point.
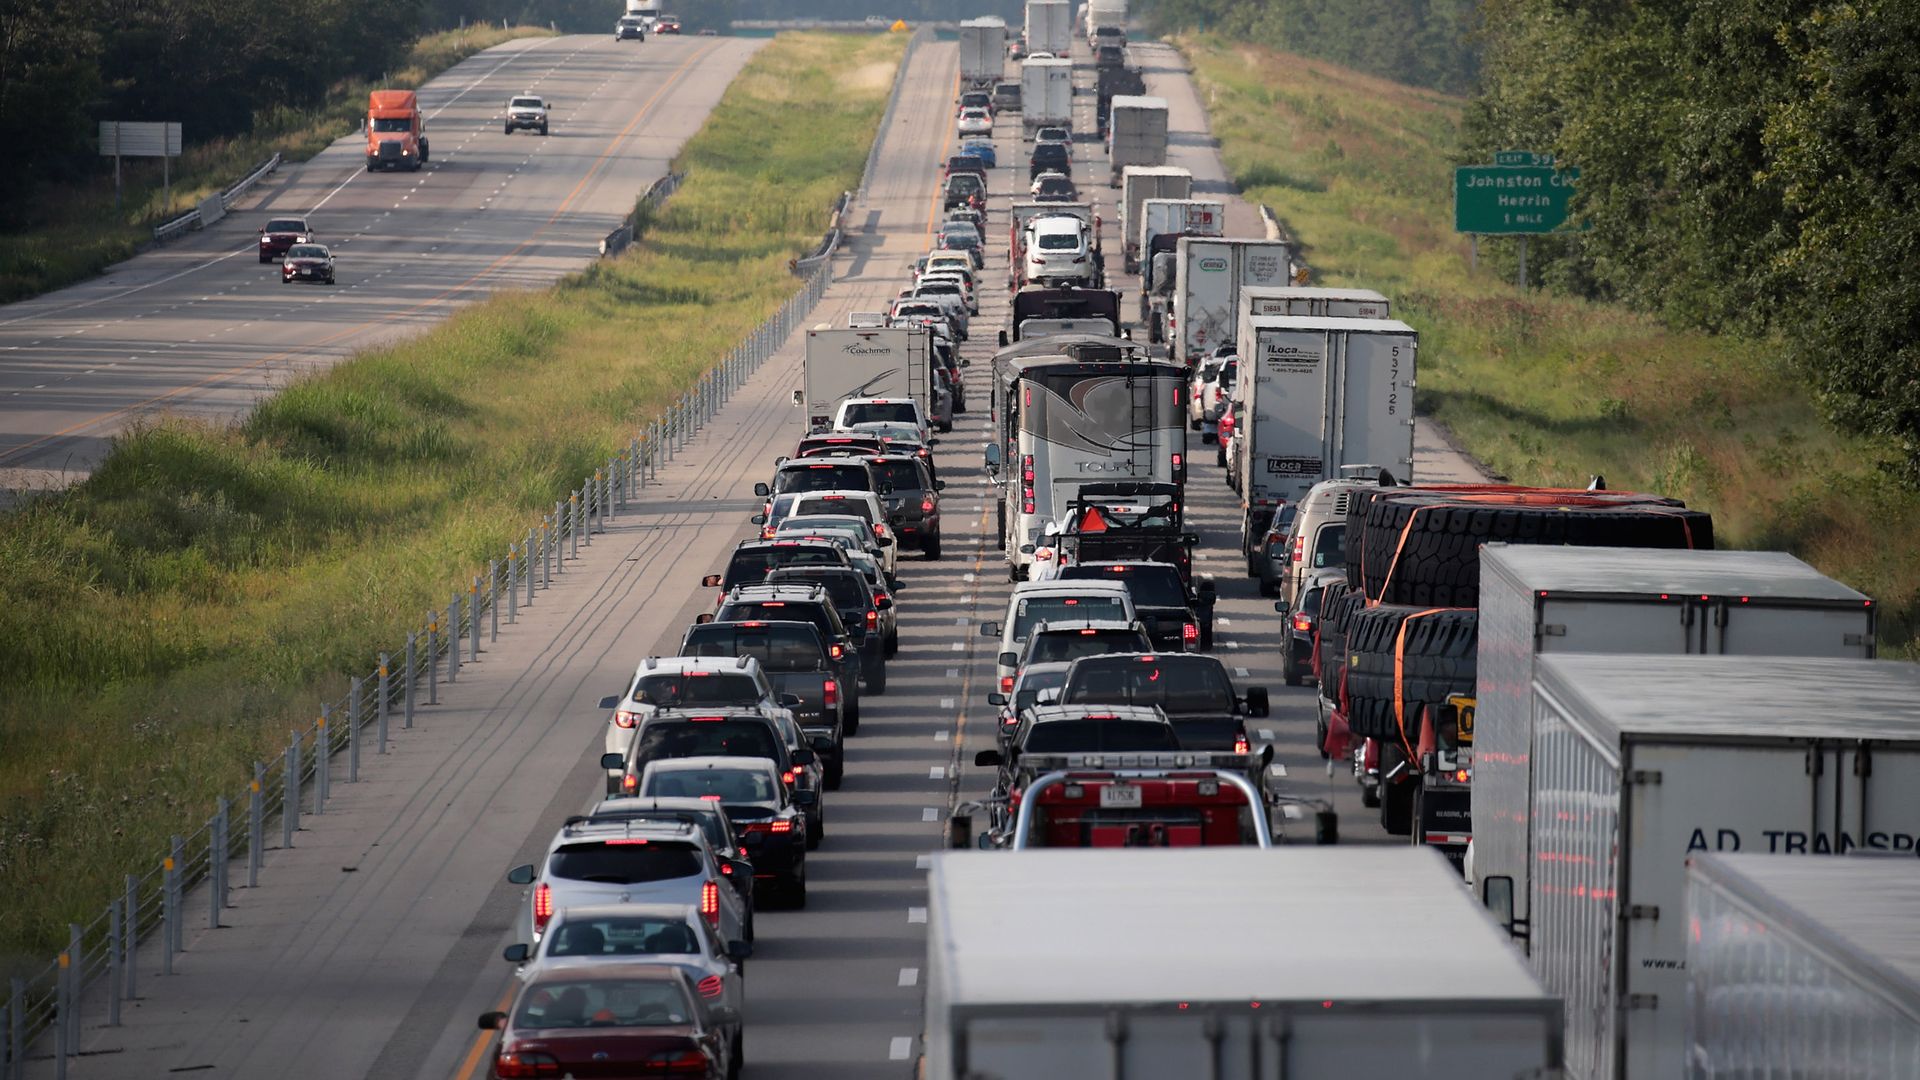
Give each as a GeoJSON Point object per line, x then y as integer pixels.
{"type": "Point", "coordinates": [371, 946]}
{"type": "Point", "coordinates": [200, 327]}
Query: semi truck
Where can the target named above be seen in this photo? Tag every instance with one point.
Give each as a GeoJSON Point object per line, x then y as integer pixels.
{"type": "Point", "coordinates": [1311, 300]}
{"type": "Point", "coordinates": [1105, 962]}
{"type": "Point", "coordinates": [1319, 393]}
{"type": "Point", "coordinates": [983, 50]}
{"type": "Point", "coordinates": [1136, 134]}
{"type": "Point", "coordinates": [1111, 82]}
{"type": "Point", "coordinates": [1049, 27]}
{"type": "Point", "coordinates": [1640, 762]}
{"type": "Point", "coordinates": [1826, 944]}
{"type": "Point", "coordinates": [1538, 601]}
{"type": "Point", "coordinates": [1138, 183]}
{"type": "Point", "coordinates": [1208, 274]}
{"type": "Point", "coordinates": [396, 131]}
{"type": "Point", "coordinates": [1046, 93]}
{"type": "Point", "coordinates": [1162, 223]}
{"type": "Point", "coordinates": [862, 363]}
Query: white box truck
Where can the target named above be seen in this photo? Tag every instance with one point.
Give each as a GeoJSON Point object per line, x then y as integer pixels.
{"type": "Point", "coordinates": [1314, 300]}
{"type": "Point", "coordinates": [1162, 223]}
{"type": "Point", "coordinates": [1538, 600]}
{"type": "Point", "coordinates": [983, 50]}
{"type": "Point", "coordinates": [1106, 21]}
{"type": "Point", "coordinates": [1046, 93]}
{"type": "Point", "coordinates": [1049, 27]}
{"type": "Point", "coordinates": [1640, 762]}
{"type": "Point", "coordinates": [1138, 183]}
{"type": "Point", "coordinates": [1319, 393]}
{"type": "Point", "coordinates": [1800, 967]}
{"type": "Point", "coordinates": [1136, 134]}
{"type": "Point", "coordinates": [1107, 962]}
{"type": "Point", "coordinates": [1208, 274]}
{"type": "Point", "coordinates": [866, 362]}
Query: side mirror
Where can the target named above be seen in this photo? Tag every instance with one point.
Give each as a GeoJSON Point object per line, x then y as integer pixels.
{"type": "Point", "coordinates": [806, 800]}
{"type": "Point", "coordinates": [521, 875]}
{"type": "Point", "coordinates": [739, 869]}
{"type": "Point", "coordinates": [803, 756]}
{"type": "Point", "coordinates": [738, 951]}
{"type": "Point", "coordinates": [821, 743]}
{"type": "Point", "coordinates": [933, 442]}
{"type": "Point", "coordinates": [1497, 893]}
{"type": "Point", "coordinates": [1280, 606]}
{"type": "Point", "coordinates": [757, 519]}
{"type": "Point", "coordinates": [1190, 539]}
{"type": "Point", "coordinates": [611, 701]}
{"type": "Point", "coordinates": [1026, 549]}
{"type": "Point", "coordinates": [799, 398]}
{"type": "Point", "coordinates": [517, 953]}
{"type": "Point", "coordinates": [711, 581]}
{"type": "Point", "coordinates": [1257, 704]}
{"type": "Point", "coordinates": [789, 700]}
{"type": "Point", "coordinates": [969, 363]}
{"type": "Point", "coordinates": [492, 1021]}
{"type": "Point", "coordinates": [990, 629]}
{"type": "Point", "coordinates": [885, 603]}
{"type": "Point", "coordinates": [988, 759]}
{"type": "Point", "coordinates": [610, 762]}
{"type": "Point", "coordinates": [703, 618]}
{"type": "Point", "coordinates": [993, 459]}
{"type": "Point", "coordinates": [996, 698]}
{"type": "Point", "coordinates": [939, 485]}
{"type": "Point", "coordinates": [1009, 659]}
{"type": "Point", "coordinates": [762, 490]}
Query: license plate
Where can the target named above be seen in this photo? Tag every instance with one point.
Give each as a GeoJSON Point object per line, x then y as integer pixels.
{"type": "Point", "coordinates": [1120, 797]}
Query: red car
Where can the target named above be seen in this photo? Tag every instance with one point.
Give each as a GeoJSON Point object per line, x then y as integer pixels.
{"type": "Point", "coordinates": [667, 24]}
{"type": "Point", "coordinates": [307, 262]}
{"type": "Point", "coordinates": [281, 233]}
{"type": "Point", "coordinates": [608, 1018]}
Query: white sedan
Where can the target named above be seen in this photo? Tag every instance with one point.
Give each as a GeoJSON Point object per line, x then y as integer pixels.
{"type": "Point", "coordinates": [976, 121]}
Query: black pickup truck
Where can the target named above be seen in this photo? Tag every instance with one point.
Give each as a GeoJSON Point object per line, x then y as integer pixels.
{"type": "Point", "coordinates": [1178, 616]}
{"type": "Point", "coordinates": [1194, 691]}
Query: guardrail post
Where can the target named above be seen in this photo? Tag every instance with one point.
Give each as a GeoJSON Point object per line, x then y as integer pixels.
{"type": "Point", "coordinates": [473, 619]}
{"type": "Point", "coordinates": [213, 871]}
{"type": "Point", "coordinates": [527, 565]}
{"type": "Point", "coordinates": [385, 690]}
{"type": "Point", "coordinates": [406, 681]}
{"type": "Point", "coordinates": [130, 944]}
{"type": "Point", "coordinates": [573, 523]}
{"type": "Point", "coordinates": [169, 916]}
{"type": "Point", "coordinates": [16, 1028]}
{"type": "Point", "coordinates": [71, 1015]}
{"type": "Point", "coordinates": [290, 793]}
{"type": "Point", "coordinates": [113, 962]}
{"type": "Point", "coordinates": [60, 990]}
{"type": "Point", "coordinates": [513, 584]}
{"type": "Point", "coordinates": [353, 730]}
{"type": "Point", "coordinates": [256, 823]}
{"type": "Point", "coordinates": [322, 759]}
{"type": "Point", "coordinates": [453, 640]}
{"type": "Point", "coordinates": [433, 658]}
{"type": "Point", "coordinates": [559, 521]}
{"type": "Point", "coordinates": [493, 597]}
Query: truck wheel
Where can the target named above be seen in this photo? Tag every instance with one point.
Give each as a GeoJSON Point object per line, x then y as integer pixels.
{"type": "Point", "coordinates": [893, 645]}
{"type": "Point", "coordinates": [834, 774]}
{"type": "Point", "coordinates": [1396, 807]}
{"type": "Point", "coordinates": [931, 548]}
{"type": "Point", "coordinates": [1000, 526]}
{"type": "Point", "coordinates": [506, 129]}
{"type": "Point", "coordinates": [797, 890]}
{"type": "Point", "coordinates": [877, 677]}
{"type": "Point", "coordinates": [850, 715]}
{"type": "Point", "coordinates": [543, 129]}
{"type": "Point", "coordinates": [426, 152]}
{"type": "Point", "coordinates": [1289, 670]}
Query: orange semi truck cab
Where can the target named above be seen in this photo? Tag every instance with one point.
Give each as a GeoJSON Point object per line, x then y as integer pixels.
{"type": "Point", "coordinates": [396, 132]}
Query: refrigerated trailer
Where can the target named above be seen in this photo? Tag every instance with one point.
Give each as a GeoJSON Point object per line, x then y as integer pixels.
{"type": "Point", "coordinates": [1798, 967]}
{"type": "Point", "coordinates": [983, 50]}
{"type": "Point", "coordinates": [1313, 300]}
{"type": "Point", "coordinates": [1640, 762]}
{"type": "Point", "coordinates": [1538, 601]}
{"type": "Point", "coordinates": [1046, 93]}
{"type": "Point", "coordinates": [1049, 26]}
{"type": "Point", "coordinates": [866, 362]}
{"type": "Point", "coordinates": [1104, 963]}
{"type": "Point", "coordinates": [1208, 274]}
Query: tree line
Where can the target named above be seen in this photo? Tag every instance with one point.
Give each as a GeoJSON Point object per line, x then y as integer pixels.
{"type": "Point", "coordinates": [1747, 166]}
{"type": "Point", "coordinates": [1420, 42]}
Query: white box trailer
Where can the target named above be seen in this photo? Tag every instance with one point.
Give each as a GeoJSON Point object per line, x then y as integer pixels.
{"type": "Point", "coordinates": [983, 50]}
{"type": "Point", "coordinates": [865, 362]}
{"type": "Point", "coordinates": [1803, 967]}
{"type": "Point", "coordinates": [1044, 965]}
{"type": "Point", "coordinates": [1314, 300]}
{"type": "Point", "coordinates": [1539, 600]}
{"type": "Point", "coordinates": [1046, 93]}
{"type": "Point", "coordinates": [1208, 275]}
{"type": "Point", "coordinates": [1138, 183]}
{"type": "Point", "coordinates": [1136, 134]}
{"type": "Point", "coordinates": [1106, 13]}
{"type": "Point", "coordinates": [1049, 26]}
{"type": "Point", "coordinates": [1640, 762]}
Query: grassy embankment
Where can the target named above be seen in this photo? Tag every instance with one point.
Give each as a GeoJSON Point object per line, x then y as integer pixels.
{"type": "Point", "coordinates": [70, 233]}
{"type": "Point", "coordinates": [175, 616]}
{"type": "Point", "coordinates": [1543, 388]}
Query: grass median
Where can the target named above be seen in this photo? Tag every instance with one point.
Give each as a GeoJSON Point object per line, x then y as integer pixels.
{"type": "Point", "coordinates": [70, 232]}
{"type": "Point", "coordinates": [1544, 388]}
{"type": "Point", "coordinates": [173, 618]}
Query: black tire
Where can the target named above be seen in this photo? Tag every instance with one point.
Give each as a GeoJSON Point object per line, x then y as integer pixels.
{"type": "Point", "coordinates": [794, 889]}
{"type": "Point", "coordinates": [876, 677]}
{"type": "Point", "coordinates": [1370, 796]}
{"type": "Point", "coordinates": [1209, 439]}
{"type": "Point", "coordinates": [266, 258]}
{"type": "Point", "coordinates": [1396, 807]}
{"type": "Point", "coordinates": [1219, 454]}
{"type": "Point", "coordinates": [1320, 733]}
{"type": "Point", "coordinates": [1206, 633]}
{"type": "Point", "coordinates": [543, 130]}
{"type": "Point", "coordinates": [931, 548]}
{"type": "Point", "coordinates": [506, 129]}
{"type": "Point", "coordinates": [816, 832]}
{"type": "Point", "coordinates": [835, 773]}
{"type": "Point", "coordinates": [1269, 588]}
{"type": "Point", "coordinates": [850, 714]}
{"type": "Point", "coordinates": [1438, 660]}
{"type": "Point", "coordinates": [893, 645]}
{"type": "Point", "coordinates": [1289, 668]}
{"type": "Point", "coordinates": [1000, 526]}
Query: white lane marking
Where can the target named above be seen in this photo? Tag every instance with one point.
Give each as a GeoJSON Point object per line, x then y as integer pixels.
{"type": "Point", "coordinates": [941, 736]}
{"type": "Point", "coordinates": [1278, 770]}
{"type": "Point", "coordinates": [966, 577]}
{"type": "Point", "coordinates": [959, 646]}
{"type": "Point", "coordinates": [902, 1045]}
{"type": "Point", "coordinates": [909, 976]}
{"type": "Point", "coordinates": [946, 703]}
{"type": "Point", "coordinates": [1224, 621]}
{"type": "Point", "coordinates": [916, 914]}
{"type": "Point", "coordinates": [960, 622]}
{"type": "Point", "coordinates": [930, 814]}
{"type": "Point", "coordinates": [937, 772]}
{"type": "Point", "coordinates": [1266, 734]}
{"type": "Point", "coordinates": [953, 673]}
{"type": "Point", "coordinates": [923, 862]}
{"type": "Point", "coordinates": [1240, 673]}
{"type": "Point", "coordinates": [1291, 811]}
{"type": "Point", "coordinates": [1233, 644]}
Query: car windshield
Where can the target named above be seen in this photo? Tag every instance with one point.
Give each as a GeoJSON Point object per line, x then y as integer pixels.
{"type": "Point", "coordinates": [294, 225]}
{"type": "Point", "coordinates": [938, 288]}
{"type": "Point", "coordinates": [558, 1004]}
{"type": "Point", "coordinates": [696, 688]}
{"type": "Point", "coordinates": [524, 103]}
{"type": "Point", "coordinates": [1074, 644]}
{"type": "Point", "coordinates": [1042, 608]}
{"type": "Point", "coordinates": [732, 785]}
{"type": "Point", "coordinates": [778, 648]}
{"type": "Point", "coordinates": [823, 523]}
{"type": "Point", "coordinates": [1050, 152]}
{"type": "Point", "coordinates": [616, 863]}
{"type": "Point", "coordinates": [1088, 736]}
{"type": "Point", "coordinates": [834, 505]}
{"type": "Point", "coordinates": [903, 475]}
{"type": "Point", "coordinates": [890, 412]}
{"type": "Point", "coordinates": [1031, 683]}
{"type": "Point", "coordinates": [713, 825]}
{"type": "Point", "coordinates": [750, 566]}
{"type": "Point", "coordinates": [1150, 584]}
{"type": "Point", "coordinates": [1056, 186]}
{"type": "Point", "coordinates": [696, 737]}
{"type": "Point", "coordinates": [1176, 684]}
{"type": "Point", "coordinates": [777, 610]}
{"type": "Point", "coordinates": [1329, 546]}
{"type": "Point", "coordinates": [1064, 241]}
{"type": "Point", "coordinates": [847, 587]}
{"type": "Point", "coordinates": [1310, 603]}
{"type": "Point", "coordinates": [823, 476]}
{"type": "Point", "coordinates": [622, 935]}
{"type": "Point", "coordinates": [306, 251]}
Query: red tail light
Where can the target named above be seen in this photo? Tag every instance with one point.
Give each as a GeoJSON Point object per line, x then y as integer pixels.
{"type": "Point", "coordinates": [1006, 684]}
{"type": "Point", "coordinates": [1303, 623]}
{"type": "Point", "coordinates": [629, 783]}
{"type": "Point", "coordinates": [1190, 632]}
{"type": "Point", "coordinates": [879, 596]}
{"type": "Point", "coordinates": [518, 1064]}
{"type": "Point", "coordinates": [1299, 549]}
{"type": "Point", "coordinates": [624, 718]}
{"type": "Point", "coordinates": [1240, 744]}
{"type": "Point", "coordinates": [831, 691]}
{"type": "Point", "coordinates": [836, 651]}
{"type": "Point", "coordinates": [873, 618]}
{"type": "Point", "coordinates": [694, 1062]}
{"type": "Point", "coordinates": [712, 987]}
{"type": "Point", "coordinates": [710, 901]}
{"type": "Point", "coordinates": [784, 825]}
{"type": "Point", "coordinates": [926, 505]}
{"type": "Point", "coordinates": [789, 776]}
{"type": "Point", "coordinates": [542, 905]}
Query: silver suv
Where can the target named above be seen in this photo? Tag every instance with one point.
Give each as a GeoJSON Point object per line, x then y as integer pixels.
{"type": "Point", "coordinates": [682, 682]}
{"type": "Point", "coordinates": [632, 862]}
{"type": "Point", "coordinates": [526, 111]}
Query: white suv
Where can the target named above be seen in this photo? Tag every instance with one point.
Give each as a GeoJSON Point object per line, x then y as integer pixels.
{"type": "Point", "coordinates": [884, 410]}
{"type": "Point", "coordinates": [619, 862]}
{"type": "Point", "coordinates": [1057, 251]}
{"type": "Point", "coordinates": [1035, 602]}
{"type": "Point", "coordinates": [671, 682]}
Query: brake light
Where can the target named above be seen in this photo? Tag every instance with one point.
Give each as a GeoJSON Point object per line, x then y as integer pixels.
{"type": "Point", "coordinates": [830, 690]}
{"type": "Point", "coordinates": [926, 505]}
{"type": "Point", "coordinates": [629, 784]}
{"type": "Point", "coordinates": [1189, 632]}
{"type": "Point", "coordinates": [518, 1064]}
{"type": "Point", "coordinates": [685, 1061]}
{"type": "Point", "coordinates": [1240, 744]}
{"type": "Point", "coordinates": [751, 623]}
{"type": "Point", "coordinates": [710, 901]}
{"type": "Point", "coordinates": [879, 596]}
{"type": "Point", "coordinates": [789, 776]}
{"type": "Point", "coordinates": [1006, 684]}
{"type": "Point", "coordinates": [784, 825]}
{"type": "Point", "coordinates": [1303, 622]}
{"type": "Point", "coordinates": [873, 618]}
{"type": "Point", "coordinates": [711, 987]}
{"type": "Point", "coordinates": [706, 719]}
{"type": "Point", "coordinates": [836, 651]}
{"type": "Point", "coordinates": [1042, 554]}
{"type": "Point", "coordinates": [1088, 632]}
{"type": "Point", "coordinates": [1299, 549]}
{"type": "Point", "coordinates": [542, 905]}
{"type": "Point", "coordinates": [624, 718]}
{"type": "Point", "coordinates": [627, 841]}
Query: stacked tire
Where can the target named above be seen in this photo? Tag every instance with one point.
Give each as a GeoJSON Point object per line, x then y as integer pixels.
{"type": "Point", "coordinates": [1402, 658]}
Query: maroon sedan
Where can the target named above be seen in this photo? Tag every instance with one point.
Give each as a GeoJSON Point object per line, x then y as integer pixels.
{"type": "Point", "coordinates": [307, 262]}
{"type": "Point", "coordinates": [667, 24]}
{"type": "Point", "coordinates": [605, 1018]}
{"type": "Point", "coordinates": [281, 233]}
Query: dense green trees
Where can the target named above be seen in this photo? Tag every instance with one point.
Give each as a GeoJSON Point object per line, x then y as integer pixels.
{"type": "Point", "coordinates": [1421, 42]}
{"type": "Point", "coordinates": [1747, 165]}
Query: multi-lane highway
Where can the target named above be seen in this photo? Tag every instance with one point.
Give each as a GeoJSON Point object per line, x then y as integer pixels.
{"type": "Point", "coordinates": [371, 946]}
{"type": "Point", "coordinates": [201, 328]}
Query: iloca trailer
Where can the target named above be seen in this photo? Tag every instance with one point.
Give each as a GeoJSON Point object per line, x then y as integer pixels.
{"type": "Point", "coordinates": [1539, 601]}
{"type": "Point", "coordinates": [1640, 762]}
{"type": "Point", "coordinates": [1803, 967]}
{"type": "Point", "coordinates": [1108, 963]}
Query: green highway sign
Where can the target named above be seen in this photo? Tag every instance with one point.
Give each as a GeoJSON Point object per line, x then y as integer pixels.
{"type": "Point", "coordinates": [1506, 200]}
{"type": "Point", "coordinates": [1521, 157]}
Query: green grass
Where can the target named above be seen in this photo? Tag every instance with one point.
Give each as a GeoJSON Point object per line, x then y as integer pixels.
{"type": "Point", "coordinates": [69, 232]}
{"type": "Point", "coordinates": [178, 614]}
{"type": "Point", "coordinates": [1543, 388]}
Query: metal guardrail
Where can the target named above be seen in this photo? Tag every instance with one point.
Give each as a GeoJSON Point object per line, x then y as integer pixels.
{"type": "Point", "coordinates": [191, 219]}
{"type": "Point", "coordinates": [621, 238]}
{"type": "Point", "coordinates": [194, 879]}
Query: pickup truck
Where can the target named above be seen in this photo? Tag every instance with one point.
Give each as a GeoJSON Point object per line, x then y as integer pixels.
{"type": "Point", "coordinates": [1178, 614]}
{"type": "Point", "coordinates": [1193, 691]}
{"type": "Point", "coordinates": [795, 660]}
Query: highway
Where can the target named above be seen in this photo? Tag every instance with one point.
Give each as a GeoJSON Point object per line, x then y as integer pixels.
{"type": "Point", "coordinates": [200, 328]}
{"type": "Point", "coordinates": [371, 946]}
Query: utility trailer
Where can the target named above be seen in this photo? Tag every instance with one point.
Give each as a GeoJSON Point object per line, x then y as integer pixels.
{"type": "Point", "coordinates": [1208, 274]}
{"type": "Point", "coordinates": [1162, 224]}
{"type": "Point", "coordinates": [1313, 300]}
{"type": "Point", "coordinates": [1220, 962]}
{"type": "Point", "coordinates": [860, 363]}
{"type": "Point", "coordinates": [1641, 762]}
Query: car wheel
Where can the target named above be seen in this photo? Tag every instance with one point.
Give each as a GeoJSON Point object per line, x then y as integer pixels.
{"type": "Point", "coordinates": [893, 645]}
{"type": "Point", "coordinates": [1206, 635]}
{"type": "Point", "coordinates": [877, 678]}
{"type": "Point", "coordinates": [835, 773]}
{"type": "Point", "coordinates": [507, 129]}
{"type": "Point", "coordinates": [738, 1059]}
{"type": "Point", "coordinates": [543, 129]}
{"type": "Point", "coordinates": [1220, 457]}
{"type": "Point", "coordinates": [1320, 734]}
{"type": "Point", "coordinates": [931, 548]}
{"type": "Point", "coordinates": [1289, 668]}
{"type": "Point", "coordinates": [797, 889]}
{"type": "Point", "coordinates": [850, 721]}
{"type": "Point", "coordinates": [816, 831]}
{"type": "Point", "coordinates": [1269, 588]}
{"type": "Point", "coordinates": [266, 259]}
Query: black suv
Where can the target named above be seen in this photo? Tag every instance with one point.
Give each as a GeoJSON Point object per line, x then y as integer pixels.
{"type": "Point", "coordinates": [1050, 157]}
{"type": "Point", "coordinates": [913, 501]}
{"type": "Point", "coordinates": [675, 733]}
{"type": "Point", "coordinates": [796, 662]}
{"type": "Point", "coordinates": [864, 654]}
{"type": "Point", "coordinates": [1178, 617]}
{"type": "Point", "coordinates": [854, 595]}
{"type": "Point", "coordinates": [753, 560]}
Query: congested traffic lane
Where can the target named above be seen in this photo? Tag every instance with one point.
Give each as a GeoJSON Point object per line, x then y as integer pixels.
{"type": "Point", "coordinates": [199, 327]}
